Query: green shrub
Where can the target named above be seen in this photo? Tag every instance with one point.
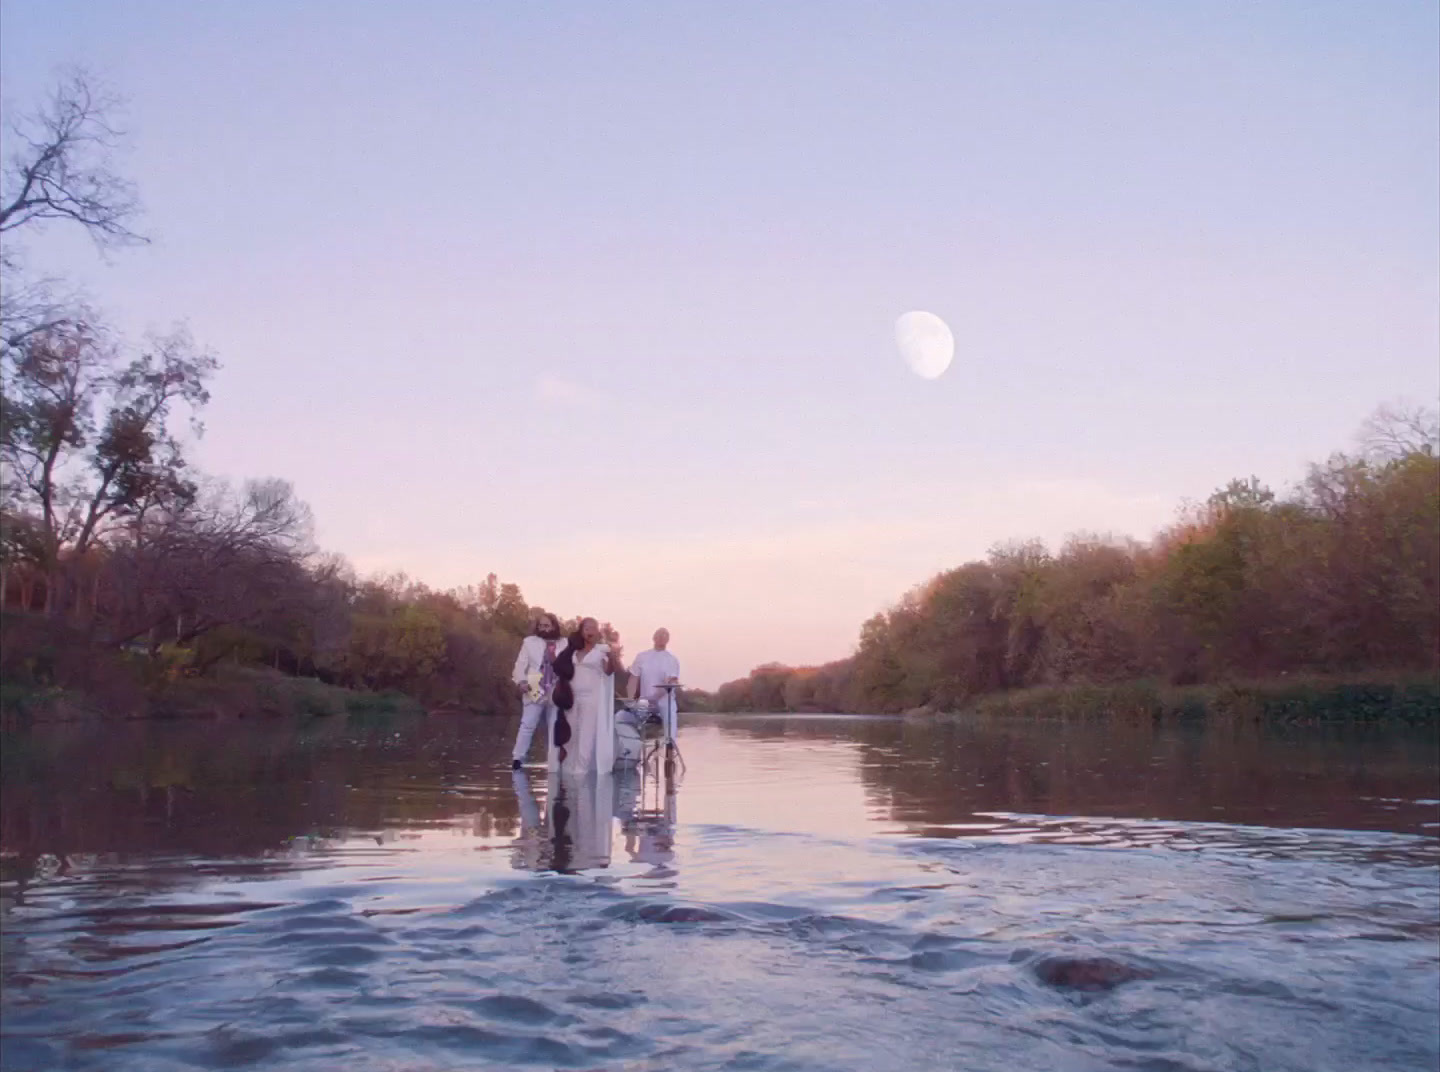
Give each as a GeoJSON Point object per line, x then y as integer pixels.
{"type": "Point", "coordinates": [1413, 699]}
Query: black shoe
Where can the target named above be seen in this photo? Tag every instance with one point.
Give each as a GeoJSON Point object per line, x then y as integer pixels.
{"type": "Point", "coordinates": [514, 764]}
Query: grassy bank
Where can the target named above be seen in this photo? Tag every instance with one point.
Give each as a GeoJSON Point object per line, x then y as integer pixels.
{"type": "Point", "coordinates": [232, 693]}
{"type": "Point", "coordinates": [52, 672]}
{"type": "Point", "coordinates": [251, 692]}
{"type": "Point", "coordinates": [1403, 698]}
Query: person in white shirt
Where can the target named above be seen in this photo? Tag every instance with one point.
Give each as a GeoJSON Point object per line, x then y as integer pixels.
{"type": "Point", "coordinates": [654, 668]}
{"type": "Point", "coordinates": [534, 678]}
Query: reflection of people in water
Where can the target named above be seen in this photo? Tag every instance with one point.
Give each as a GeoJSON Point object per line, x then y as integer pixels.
{"type": "Point", "coordinates": [591, 798]}
{"type": "Point", "coordinates": [576, 830]}
{"type": "Point", "coordinates": [529, 846]}
{"type": "Point", "coordinates": [562, 841]}
{"type": "Point", "coordinates": [627, 794]}
{"type": "Point", "coordinates": [651, 840]}
{"type": "Point", "coordinates": [649, 830]}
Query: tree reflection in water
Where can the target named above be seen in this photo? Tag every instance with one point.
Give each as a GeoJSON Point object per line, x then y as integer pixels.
{"type": "Point", "coordinates": [249, 790]}
{"type": "Point", "coordinates": [253, 793]}
{"type": "Point", "coordinates": [929, 774]}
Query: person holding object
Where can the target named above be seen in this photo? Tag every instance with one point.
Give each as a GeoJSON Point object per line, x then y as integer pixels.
{"type": "Point", "coordinates": [651, 670]}
{"type": "Point", "coordinates": [534, 678]}
{"type": "Point", "coordinates": [585, 702]}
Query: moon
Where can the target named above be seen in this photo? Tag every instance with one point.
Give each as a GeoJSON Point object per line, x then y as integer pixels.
{"type": "Point", "coordinates": [925, 343]}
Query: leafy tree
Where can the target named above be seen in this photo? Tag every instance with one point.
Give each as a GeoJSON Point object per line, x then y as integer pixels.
{"type": "Point", "coordinates": [1341, 574]}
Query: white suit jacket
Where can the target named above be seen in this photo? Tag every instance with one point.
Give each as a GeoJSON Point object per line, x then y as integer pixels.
{"type": "Point", "coordinates": [532, 657]}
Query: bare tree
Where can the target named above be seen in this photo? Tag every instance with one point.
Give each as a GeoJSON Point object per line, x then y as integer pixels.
{"type": "Point", "coordinates": [1398, 430]}
{"type": "Point", "coordinates": [222, 559]}
{"type": "Point", "coordinates": [63, 167]}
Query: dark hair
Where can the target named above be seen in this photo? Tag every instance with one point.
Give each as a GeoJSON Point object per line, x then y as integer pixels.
{"type": "Point", "coordinates": [564, 695]}
{"type": "Point", "coordinates": [561, 729]}
{"type": "Point", "coordinates": [555, 621]}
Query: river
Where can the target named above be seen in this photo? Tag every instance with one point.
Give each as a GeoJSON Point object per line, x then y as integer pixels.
{"type": "Point", "coordinates": [809, 893]}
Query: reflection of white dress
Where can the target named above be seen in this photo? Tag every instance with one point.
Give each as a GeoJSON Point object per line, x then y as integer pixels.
{"type": "Point", "coordinates": [592, 817]}
{"type": "Point", "coordinates": [579, 836]}
{"type": "Point", "coordinates": [576, 840]}
{"type": "Point", "coordinates": [592, 719]}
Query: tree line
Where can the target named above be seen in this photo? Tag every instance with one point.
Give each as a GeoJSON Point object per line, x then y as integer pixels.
{"type": "Point", "coordinates": [109, 535]}
{"type": "Point", "coordinates": [1340, 575]}
{"type": "Point", "coordinates": [111, 538]}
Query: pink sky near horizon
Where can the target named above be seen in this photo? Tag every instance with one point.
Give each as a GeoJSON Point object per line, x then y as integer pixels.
{"type": "Point", "coordinates": [601, 299]}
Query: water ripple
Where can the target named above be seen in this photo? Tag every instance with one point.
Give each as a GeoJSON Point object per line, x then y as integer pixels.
{"type": "Point", "coordinates": [1001, 939]}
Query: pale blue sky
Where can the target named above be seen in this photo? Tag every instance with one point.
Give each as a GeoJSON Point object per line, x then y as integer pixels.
{"type": "Point", "coordinates": [445, 249]}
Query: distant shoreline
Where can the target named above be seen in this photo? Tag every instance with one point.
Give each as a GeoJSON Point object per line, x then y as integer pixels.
{"type": "Point", "coordinates": [240, 692]}
{"type": "Point", "coordinates": [1410, 698]}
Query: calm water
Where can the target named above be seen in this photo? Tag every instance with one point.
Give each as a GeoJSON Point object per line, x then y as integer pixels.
{"type": "Point", "coordinates": [813, 893]}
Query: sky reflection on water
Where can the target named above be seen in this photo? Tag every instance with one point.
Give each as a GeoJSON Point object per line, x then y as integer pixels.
{"type": "Point", "coordinates": [397, 898]}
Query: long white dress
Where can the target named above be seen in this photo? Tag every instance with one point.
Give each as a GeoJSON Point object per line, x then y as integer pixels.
{"type": "Point", "coordinates": [592, 718]}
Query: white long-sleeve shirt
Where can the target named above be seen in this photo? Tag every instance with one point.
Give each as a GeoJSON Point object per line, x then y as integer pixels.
{"type": "Point", "coordinates": [532, 657]}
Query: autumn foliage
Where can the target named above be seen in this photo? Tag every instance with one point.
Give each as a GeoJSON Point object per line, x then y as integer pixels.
{"type": "Point", "coordinates": [1340, 576]}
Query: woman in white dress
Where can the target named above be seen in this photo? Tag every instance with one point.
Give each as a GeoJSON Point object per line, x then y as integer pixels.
{"type": "Point", "coordinates": [588, 666]}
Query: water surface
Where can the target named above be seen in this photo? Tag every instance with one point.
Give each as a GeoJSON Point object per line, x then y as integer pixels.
{"type": "Point", "coordinates": [811, 893]}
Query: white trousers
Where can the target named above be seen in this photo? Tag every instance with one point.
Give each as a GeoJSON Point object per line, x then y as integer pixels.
{"type": "Point", "coordinates": [529, 721]}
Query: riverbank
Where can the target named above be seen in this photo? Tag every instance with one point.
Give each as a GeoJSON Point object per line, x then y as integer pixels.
{"type": "Point", "coordinates": [1409, 698]}
{"type": "Point", "coordinates": [230, 693]}
{"type": "Point", "coordinates": [51, 671]}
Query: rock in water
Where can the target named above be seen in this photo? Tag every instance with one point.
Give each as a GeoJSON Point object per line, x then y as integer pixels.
{"type": "Point", "coordinates": [1087, 973]}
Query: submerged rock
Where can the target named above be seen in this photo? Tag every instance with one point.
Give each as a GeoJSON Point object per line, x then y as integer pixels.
{"type": "Point", "coordinates": [662, 913]}
{"type": "Point", "coordinates": [1087, 973]}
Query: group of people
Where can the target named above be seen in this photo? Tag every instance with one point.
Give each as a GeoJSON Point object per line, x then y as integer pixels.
{"type": "Point", "coordinates": [568, 683]}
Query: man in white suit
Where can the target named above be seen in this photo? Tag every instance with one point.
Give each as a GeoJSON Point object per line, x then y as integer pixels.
{"type": "Point", "coordinates": [534, 678]}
